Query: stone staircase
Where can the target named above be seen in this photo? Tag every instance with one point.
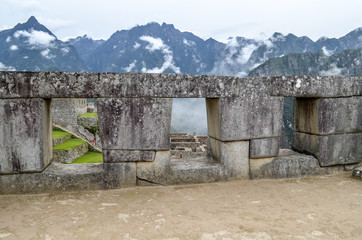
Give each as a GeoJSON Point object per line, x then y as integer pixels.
{"type": "Point", "coordinates": [90, 144]}
{"type": "Point", "coordinates": [69, 147]}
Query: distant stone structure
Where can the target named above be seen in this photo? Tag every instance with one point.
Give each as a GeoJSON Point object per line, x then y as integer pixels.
{"type": "Point", "coordinates": [244, 125]}
{"type": "Point", "coordinates": [186, 146]}
{"type": "Point", "coordinates": [64, 111]}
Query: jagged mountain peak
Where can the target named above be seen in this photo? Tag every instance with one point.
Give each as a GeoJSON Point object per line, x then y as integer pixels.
{"type": "Point", "coordinates": [30, 46]}
{"type": "Point", "coordinates": [31, 25]}
{"type": "Point", "coordinates": [32, 21]}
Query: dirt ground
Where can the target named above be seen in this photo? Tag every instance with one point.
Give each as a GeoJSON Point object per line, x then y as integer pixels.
{"type": "Point", "coordinates": [325, 207]}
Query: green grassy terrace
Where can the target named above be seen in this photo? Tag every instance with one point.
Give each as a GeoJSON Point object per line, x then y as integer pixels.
{"type": "Point", "coordinates": [59, 134]}
{"type": "Point", "coordinates": [88, 115]}
{"type": "Point", "coordinates": [89, 157]}
{"type": "Point", "coordinates": [70, 144]}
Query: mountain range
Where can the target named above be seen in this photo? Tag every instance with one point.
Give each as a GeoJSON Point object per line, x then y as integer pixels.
{"type": "Point", "coordinates": [161, 48]}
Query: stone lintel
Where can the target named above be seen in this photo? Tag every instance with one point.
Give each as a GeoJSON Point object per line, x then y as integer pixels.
{"type": "Point", "coordinates": [316, 86]}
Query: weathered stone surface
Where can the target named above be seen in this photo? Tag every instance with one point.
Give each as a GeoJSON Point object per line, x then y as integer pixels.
{"type": "Point", "coordinates": [114, 156]}
{"type": "Point", "coordinates": [331, 149]}
{"type": "Point", "coordinates": [118, 175]}
{"type": "Point", "coordinates": [264, 147]}
{"type": "Point", "coordinates": [309, 86]}
{"type": "Point", "coordinates": [156, 172]}
{"type": "Point", "coordinates": [196, 171]}
{"type": "Point", "coordinates": [88, 121]}
{"type": "Point", "coordinates": [115, 85]}
{"type": "Point", "coordinates": [289, 164]}
{"type": "Point", "coordinates": [68, 156]}
{"type": "Point", "coordinates": [254, 116]}
{"type": "Point", "coordinates": [57, 177]}
{"type": "Point", "coordinates": [234, 156]}
{"type": "Point", "coordinates": [25, 135]}
{"type": "Point", "coordinates": [135, 123]}
{"type": "Point", "coordinates": [328, 115]}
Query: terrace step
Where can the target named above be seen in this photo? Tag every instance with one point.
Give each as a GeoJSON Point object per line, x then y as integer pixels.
{"type": "Point", "coordinates": [60, 136]}
{"type": "Point", "coordinates": [69, 150]}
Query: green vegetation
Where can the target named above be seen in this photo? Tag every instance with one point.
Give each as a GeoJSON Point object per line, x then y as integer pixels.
{"type": "Point", "coordinates": [59, 134]}
{"type": "Point", "coordinates": [70, 144]}
{"type": "Point", "coordinates": [88, 114]}
{"type": "Point", "coordinates": [89, 157]}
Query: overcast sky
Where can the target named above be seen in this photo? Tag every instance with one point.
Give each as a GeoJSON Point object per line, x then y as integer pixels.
{"type": "Point", "coordinates": [218, 19]}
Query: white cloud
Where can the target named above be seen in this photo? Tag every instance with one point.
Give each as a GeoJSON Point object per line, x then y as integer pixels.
{"type": "Point", "coordinates": [36, 38]}
{"type": "Point", "coordinates": [131, 66]}
{"type": "Point", "coordinates": [6, 68]}
{"type": "Point", "coordinates": [25, 57]}
{"type": "Point", "coordinates": [157, 44]}
{"type": "Point", "coordinates": [65, 50]}
{"type": "Point", "coordinates": [189, 42]}
{"type": "Point", "coordinates": [46, 53]}
{"type": "Point", "coordinates": [154, 43]}
{"type": "Point", "coordinates": [333, 71]}
{"type": "Point", "coordinates": [8, 39]}
{"type": "Point", "coordinates": [13, 47]}
{"type": "Point", "coordinates": [327, 52]}
{"type": "Point", "coordinates": [136, 45]}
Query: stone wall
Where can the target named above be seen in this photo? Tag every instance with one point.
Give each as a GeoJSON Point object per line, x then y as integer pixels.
{"type": "Point", "coordinates": [244, 126]}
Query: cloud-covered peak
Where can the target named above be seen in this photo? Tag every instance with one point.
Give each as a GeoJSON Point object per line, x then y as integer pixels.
{"type": "Point", "coordinates": [36, 38]}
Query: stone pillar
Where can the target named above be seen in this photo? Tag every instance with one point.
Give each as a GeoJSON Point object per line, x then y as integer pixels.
{"type": "Point", "coordinates": [329, 128]}
{"type": "Point", "coordinates": [134, 130]}
{"type": "Point", "coordinates": [25, 135]}
{"type": "Point", "coordinates": [232, 122]}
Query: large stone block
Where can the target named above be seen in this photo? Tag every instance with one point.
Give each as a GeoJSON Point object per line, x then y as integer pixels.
{"type": "Point", "coordinates": [264, 147]}
{"type": "Point", "coordinates": [316, 86]}
{"type": "Point", "coordinates": [25, 135]}
{"type": "Point", "coordinates": [288, 164]}
{"type": "Point", "coordinates": [331, 149]}
{"type": "Point", "coordinates": [328, 115]}
{"type": "Point", "coordinates": [234, 156]}
{"type": "Point", "coordinates": [115, 155]}
{"type": "Point", "coordinates": [135, 123]}
{"type": "Point", "coordinates": [117, 175]}
{"type": "Point", "coordinates": [253, 116]}
{"type": "Point", "coordinates": [156, 172]}
{"type": "Point", "coordinates": [116, 85]}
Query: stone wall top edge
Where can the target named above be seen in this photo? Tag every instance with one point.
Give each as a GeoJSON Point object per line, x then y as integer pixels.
{"type": "Point", "coordinates": [17, 84]}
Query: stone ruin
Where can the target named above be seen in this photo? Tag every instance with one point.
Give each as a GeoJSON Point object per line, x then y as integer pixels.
{"type": "Point", "coordinates": [186, 146]}
{"type": "Point", "coordinates": [244, 125]}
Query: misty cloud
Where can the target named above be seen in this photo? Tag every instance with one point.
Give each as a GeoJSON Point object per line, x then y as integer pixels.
{"type": "Point", "coordinates": [189, 115]}
{"type": "Point", "coordinates": [333, 71]}
{"type": "Point", "coordinates": [156, 44]}
{"type": "Point", "coordinates": [36, 38]}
